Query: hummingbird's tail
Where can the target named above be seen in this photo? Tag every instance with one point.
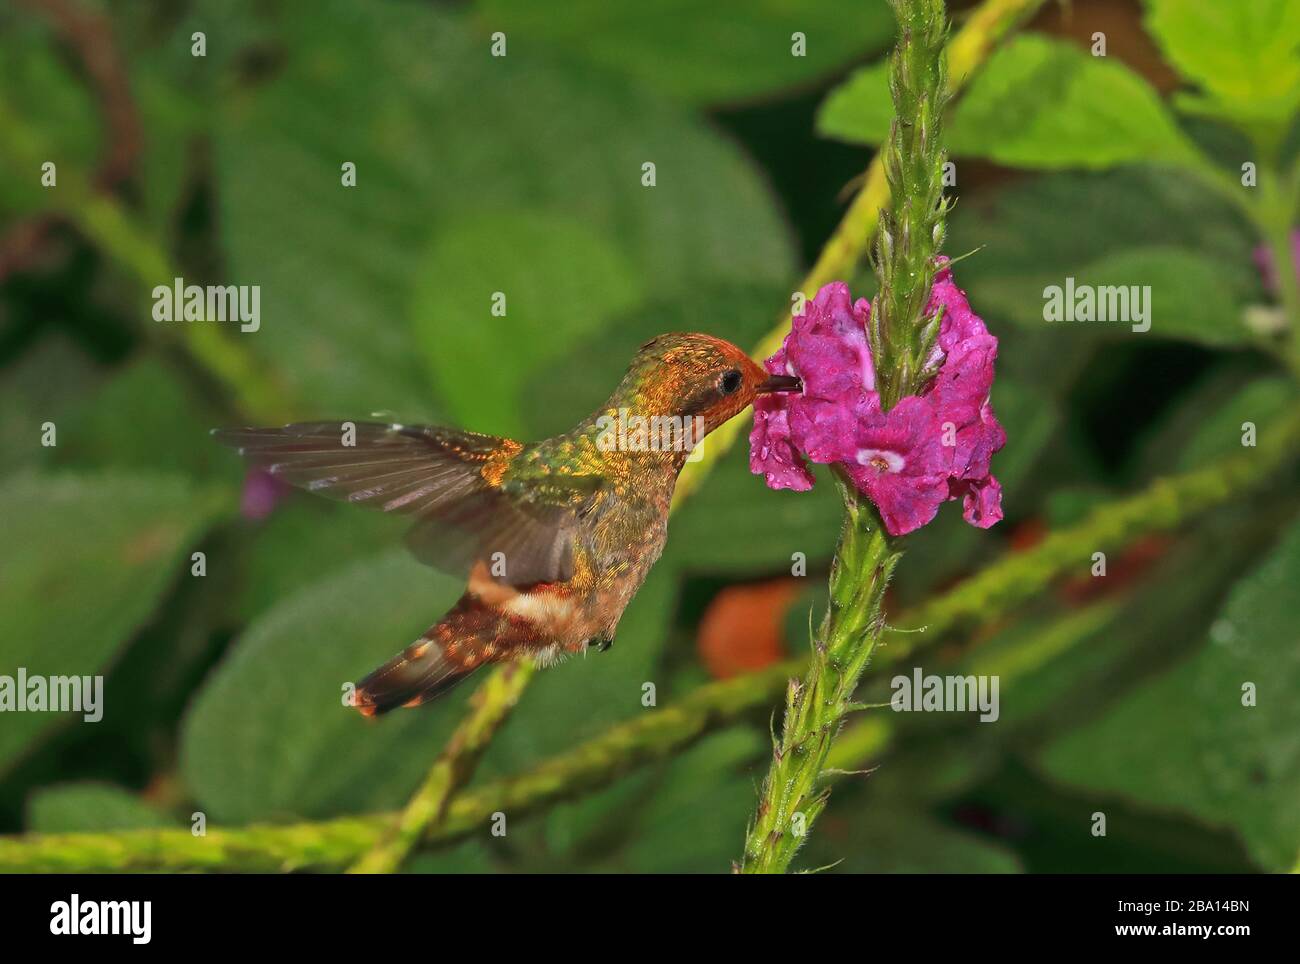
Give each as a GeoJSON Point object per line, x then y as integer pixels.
{"type": "Point", "coordinates": [416, 675]}
{"type": "Point", "coordinates": [472, 634]}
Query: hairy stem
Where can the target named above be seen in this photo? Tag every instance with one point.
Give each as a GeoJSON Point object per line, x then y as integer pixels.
{"type": "Point", "coordinates": [909, 236]}
{"type": "Point", "coordinates": [912, 227]}
{"type": "Point", "coordinates": [793, 795]}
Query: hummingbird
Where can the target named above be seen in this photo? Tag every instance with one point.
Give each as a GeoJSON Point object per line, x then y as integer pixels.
{"type": "Point", "coordinates": [553, 538]}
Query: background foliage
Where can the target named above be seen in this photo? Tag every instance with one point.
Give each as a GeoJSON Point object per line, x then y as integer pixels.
{"type": "Point", "coordinates": [522, 174]}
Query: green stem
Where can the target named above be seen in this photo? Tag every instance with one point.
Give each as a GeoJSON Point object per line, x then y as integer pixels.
{"type": "Point", "coordinates": [489, 707]}
{"type": "Point", "coordinates": [910, 234]}
{"type": "Point", "coordinates": [911, 229]}
{"type": "Point", "coordinates": [792, 796]}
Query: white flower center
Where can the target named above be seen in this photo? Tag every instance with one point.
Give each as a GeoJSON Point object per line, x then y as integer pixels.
{"type": "Point", "coordinates": [881, 459]}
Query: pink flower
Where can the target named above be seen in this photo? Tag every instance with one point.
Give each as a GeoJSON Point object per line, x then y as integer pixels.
{"type": "Point", "coordinates": [960, 325]}
{"type": "Point", "coordinates": [981, 500]}
{"type": "Point", "coordinates": [900, 462]}
{"type": "Point", "coordinates": [772, 453]}
{"type": "Point", "coordinates": [929, 448]}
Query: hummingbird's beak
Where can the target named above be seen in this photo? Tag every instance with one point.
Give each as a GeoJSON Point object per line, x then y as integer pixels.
{"type": "Point", "coordinates": [780, 383]}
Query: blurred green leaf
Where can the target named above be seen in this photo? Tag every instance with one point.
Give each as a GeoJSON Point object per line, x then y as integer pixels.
{"type": "Point", "coordinates": [1220, 434]}
{"type": "Point", "coordinates": [1023, 250]}
{"type": "Point", "coordinates": [873, 839]}
{"type": "Point", "coordinates": [306, 539]}
{"type": "Point", "coordinates": [686, 816]}
{"type": "Point", "coordinates": [1186, 741]}
{"type": "Point", "coordinates": [1245, 56]}
{"type": "Point", "coordinates": [589, 828]}
{"type": "Point", "coordinates": [1192, 297]}
{"type": "Point", "coordinates": [716, 51]}
{"type": "Point", "coordinates": [37, 86]}
{"type": "Point", "coordinates": [578, 382]}
{"type": "Point", "coordinates": [86, 559]}
{"type": "Point", "coordinates": [45, 384]}
{"type": "Point", "coordinates": [268, 735]}
{"type": "Point", "coordinates": [440, 126]}
{"type": "Point", "coordinates": [89, 806]}
{"type": "Point", "coordinates": [144, 417]}
{"type": "Point", "coordinates": [470, 857]}
{"type": "Point", "coordinates": [1206, 424]}
{"type": "Point", "coordinates": [695, 820]}
{"type": "Point", "coordinates": [559, 281]}
{"type": "Point", "coordinates": [1037, 103]}
{"type": "Point", "coordinates": [737, 525]}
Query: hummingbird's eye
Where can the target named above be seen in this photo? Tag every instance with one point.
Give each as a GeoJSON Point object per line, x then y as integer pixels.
{"type": "Point", "coordinates": [730, 381]}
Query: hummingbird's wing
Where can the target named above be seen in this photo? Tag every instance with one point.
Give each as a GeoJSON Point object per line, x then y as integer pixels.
{"type": "Point", "coordinates": [450, 480]}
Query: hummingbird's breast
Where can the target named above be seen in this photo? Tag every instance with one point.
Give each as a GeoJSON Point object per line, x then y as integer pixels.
{"type": "Point", "coordinates": [623, 534]}
{"type": "Point", "coordinates": [628, 541]}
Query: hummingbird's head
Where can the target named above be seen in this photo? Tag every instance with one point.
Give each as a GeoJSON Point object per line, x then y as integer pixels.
{"type": "Point", "coordinates": [690, 375]}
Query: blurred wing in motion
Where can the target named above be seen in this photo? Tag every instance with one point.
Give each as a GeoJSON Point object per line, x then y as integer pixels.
{"type": "Point", "coordinates": [451, 481]}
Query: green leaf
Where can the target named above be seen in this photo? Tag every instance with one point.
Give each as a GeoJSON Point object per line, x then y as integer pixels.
{"type": "Point", "coordinates": [89, 806]}
{"type": "Point", "coordinates": [558, 280]}
{"type": "Point", "coordinates": [1244, 56]}
{"type": "Point", "coordinates": [1046, 104]}
{"type": "Point", "coordinates": [268, 735]}
{"type": "Point", "coordinates": [579, 381]}
{"type": "Point", "coordinates": [55, 108]}
{"type": "Point", "coordinates": [305, 540]}
{"type": "Point", "coordinates": [735, 524]}
{"type": "Point", "coordinates": [1022, 249]}
{"type": "Point", "coordinates": [469, 857]}
{"type": "Point", "coordinates": [443, 127]}
{"type": "Point", "coordinates": [1220, 434]}
{"type": "Point", "coordinates": [85, 560]}
{"type": "Point", "coordinates": [1038, 103]}
{"type": "Point", "coordinates": [144, 417]}
{"type": "Point", "coordinates": [860, 109]}
{"type": "Point", "coordinates": [1207, 424]}
{"type": "Point", "coordinates": [46, 384]}
{"type": "Point", "coordinates": [718, 51]}
{"type": "Point", "coordinates": [695, 820]}
{"type": "Point", "coordinates": [1186, 742]}
{"type": "Point", "coordinates": [873, 839]}
{"type": "Point", "coordinates": [1187, 295]}
{"type": "Point", "coordinates": [686, 816]}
